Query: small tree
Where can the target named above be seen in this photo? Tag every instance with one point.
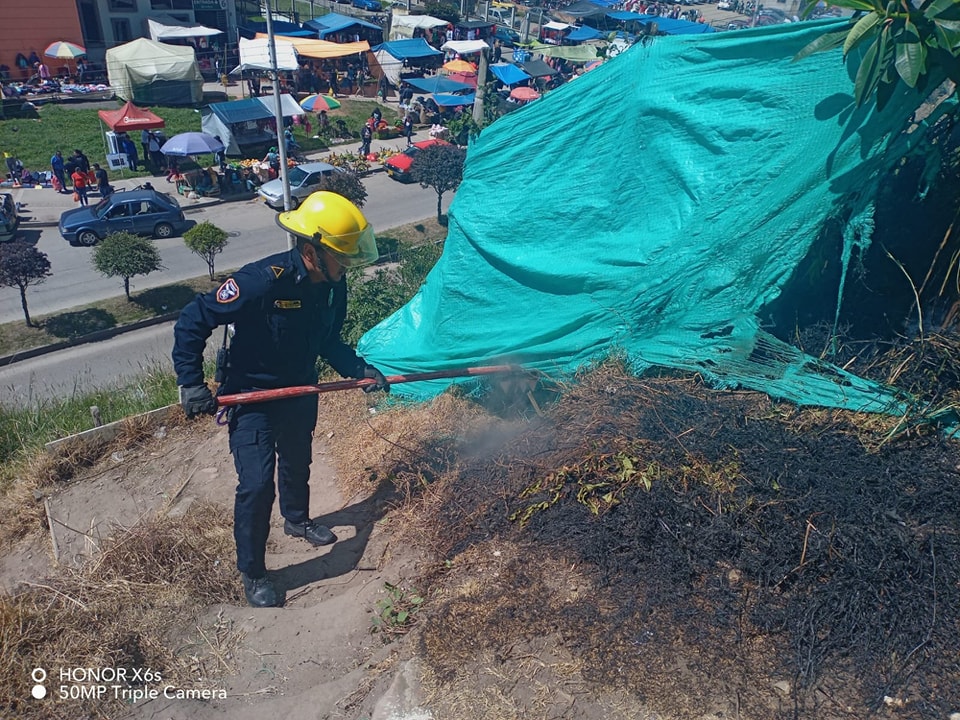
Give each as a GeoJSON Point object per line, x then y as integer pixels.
{"type": "Point", "coordinates": [206, 240]}
{"type": "Point", "coordinates": [440, 167]}
{"type": "Point", "coordinates": [22, 265]}
{"type": "Point", "coordinates": [125, 255]}
{"type": "Point", "coordinates": [347, 184]}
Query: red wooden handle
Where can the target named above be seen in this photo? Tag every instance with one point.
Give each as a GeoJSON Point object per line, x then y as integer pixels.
{"type": "Point", "coordinates": [257, 396]}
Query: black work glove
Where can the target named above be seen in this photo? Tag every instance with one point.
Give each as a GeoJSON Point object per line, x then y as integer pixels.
{"type": "Point", "coordinates": [380, 382]}
{"type": "Point", "coordinates": [197, 400]}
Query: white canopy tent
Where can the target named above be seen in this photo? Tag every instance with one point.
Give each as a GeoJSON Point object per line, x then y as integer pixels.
{"type": "Point", "coordinates": [402, 26]}
{"type": "Point", "coordinates": [464, 47]}
{"type": "Point", "coordinates": [255, 55]}
{"type": "Point", "coordinates": [175, 30]}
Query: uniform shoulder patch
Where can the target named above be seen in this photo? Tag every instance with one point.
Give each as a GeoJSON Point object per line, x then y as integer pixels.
{"type": "Point", "coordinates": [228, 292]}
{"type": "Point", "coordinates": [277, 271]}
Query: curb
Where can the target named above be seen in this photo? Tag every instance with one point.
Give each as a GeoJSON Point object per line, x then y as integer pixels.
{"type": "Point", "coordinates": [83, 340]}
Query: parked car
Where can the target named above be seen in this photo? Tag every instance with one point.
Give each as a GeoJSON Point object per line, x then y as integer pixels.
{"type": "Point", "coordinates": [725, 5]}
{"type": "Point", "coordinates": [304, 180]}
{"type": "Point", "coordinates": [506, 36]}
{"type": "Point", "coordinates": [144, 212]}
{"type": "Point", "coordinates": [371, 5]}
{"type": "Point", "coordinates": [398, 166]}
{"type": "Point", "coordinates": [9, 217]}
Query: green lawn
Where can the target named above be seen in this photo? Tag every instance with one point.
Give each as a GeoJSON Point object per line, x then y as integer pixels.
{"type": "Point", "coordinates": [65, 127]}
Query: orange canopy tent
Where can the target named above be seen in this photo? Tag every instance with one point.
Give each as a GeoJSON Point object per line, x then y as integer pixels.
{"type": "Point", "coordinates": [130, 117]}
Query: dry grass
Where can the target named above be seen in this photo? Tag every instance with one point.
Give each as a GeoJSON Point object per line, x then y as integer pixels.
{"type": "Point", "coordinates": [120, 610]}
{"type": "Point", "coordinates": [21, 505]}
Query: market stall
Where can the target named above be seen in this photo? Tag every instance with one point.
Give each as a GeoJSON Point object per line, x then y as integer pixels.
{"type": "Point", "coordinates": [243, 124]}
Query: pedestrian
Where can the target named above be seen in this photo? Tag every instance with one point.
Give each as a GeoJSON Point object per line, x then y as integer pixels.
{"type": "Point", "coordinates": [81, 70]}
{"type": "Point", "coordinates": [56, 164]}
{"type": "Point", "coordinates": [129, 147]}
{"type": "Point", "coordinates": [220, 157]}
{"type": "Point", "coordinates": [408, 128]}
{"type": "Point", "coordinates": [272, 158]}
{"type": "Point", "coordinates": [156, 157]}
{"type": "Point", "coordinates": [43, 71]}
{"type": "Point", "coordinates": [83, 164]}
{"type": "Point", "coordinates": [286, 309]}
{"type": "Point", "coordinates": [103, 181]}
{"type": "Point", "coordinates": [145, 146]}
{"type": "Point", "coordinates": [80, 186]}
{"type": "Point", "coordinates": [366, 137]}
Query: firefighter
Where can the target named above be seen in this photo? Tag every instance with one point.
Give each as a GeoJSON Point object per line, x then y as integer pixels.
{"type": "Point", "coordinates": [286, 310]}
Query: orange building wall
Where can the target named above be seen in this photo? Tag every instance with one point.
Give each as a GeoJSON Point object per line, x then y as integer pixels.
{"type": "Point", "coordinates": [27, 25]}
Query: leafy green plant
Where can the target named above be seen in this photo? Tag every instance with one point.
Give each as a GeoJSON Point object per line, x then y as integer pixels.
{"type": "Point", "coordinates": [347, 184]}
{"type": "Point", "coordinates": [373, 298]}
{"type": "Point", "coordinates": [439, 167]}
{"type": "Point", "coordinates": [126, 255]}
{"type": "Point", "coordinates": [902, 41]}
{"type": "Point", "coordinates": [396, 613]}
{"type": "Point", "coordinates": [206, 240]}
{"type": "Point", "coordinates": [22, 265]}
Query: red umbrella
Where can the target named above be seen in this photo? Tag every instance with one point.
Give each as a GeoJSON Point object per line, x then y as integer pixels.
{"type": "Point", "coordinates": [524, 93]}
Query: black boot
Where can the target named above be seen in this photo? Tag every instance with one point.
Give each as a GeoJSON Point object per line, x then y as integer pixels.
{"type": "Point", "coordinates": [310, 531]}
{"type": "Point", "coordinates": [260, 592]}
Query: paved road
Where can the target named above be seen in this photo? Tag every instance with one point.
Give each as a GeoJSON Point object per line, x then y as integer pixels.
{"type": "Point", "coordinates": [77, 371]}
{"type": "Point", "coordinates": [254, 234]}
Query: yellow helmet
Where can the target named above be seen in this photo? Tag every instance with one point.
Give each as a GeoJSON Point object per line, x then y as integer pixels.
{"type": "Point", "coordinates": [328, 219]}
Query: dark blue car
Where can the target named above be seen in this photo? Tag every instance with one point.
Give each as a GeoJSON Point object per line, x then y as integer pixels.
{"type": "Point", "coordinates": [371, 5]}
{"type": "Point", "coordinates": [142, 212]}
{"type": "Point", "coordinates": [508, 38]}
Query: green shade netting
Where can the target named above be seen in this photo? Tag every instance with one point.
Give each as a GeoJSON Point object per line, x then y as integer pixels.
{"type": "Point", "coordinates": [650, 208]}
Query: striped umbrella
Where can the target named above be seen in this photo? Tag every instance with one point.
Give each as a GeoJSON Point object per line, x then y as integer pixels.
{"type": "Point", "coordinates": [316, 103]}
{"type": "Point", "coordinates": [64, 50]}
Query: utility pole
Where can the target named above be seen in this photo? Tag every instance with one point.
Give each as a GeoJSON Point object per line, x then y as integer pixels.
{"type": "Point", "coordinates": [481, 83]}
{"type": "Point", "coordinates": [278, 118]}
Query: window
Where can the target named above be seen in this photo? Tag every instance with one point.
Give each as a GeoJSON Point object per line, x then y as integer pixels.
{"type": "Point", "coordinates": [119, 211]}
{"type": "Point", "coordinates": [123, 5]}
{"type": "Point", "coordinates": [171, 4]}
{"type": "Point", "coordinates": [121, 30]}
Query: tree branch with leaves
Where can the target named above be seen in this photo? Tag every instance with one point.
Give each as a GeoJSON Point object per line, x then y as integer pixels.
{"type": "Point", "coordinates": [22, 265]}
{"type": "Point", "coordinates": [439, 166]}
{"type": "Point", "coordinates": [915, 44]}
{"type": "Point", "coordinates": [126, 255]}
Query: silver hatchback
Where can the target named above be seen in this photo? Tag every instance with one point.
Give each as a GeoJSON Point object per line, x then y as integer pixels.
{"type": "Point", "coordinates": [305, 179]}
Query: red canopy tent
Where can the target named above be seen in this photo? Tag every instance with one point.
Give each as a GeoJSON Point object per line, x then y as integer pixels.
{"type": "Point", "coordinates": [130, 117]}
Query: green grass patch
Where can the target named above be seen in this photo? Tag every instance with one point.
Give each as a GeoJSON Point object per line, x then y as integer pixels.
{"type": "Point", "coordinates": [65, 127]}
{"type": "Point", "coordinates": [25, 431]}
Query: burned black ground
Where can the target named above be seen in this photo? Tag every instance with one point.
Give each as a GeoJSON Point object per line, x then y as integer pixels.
{"type": "Point", "coordinates": [731, 545]}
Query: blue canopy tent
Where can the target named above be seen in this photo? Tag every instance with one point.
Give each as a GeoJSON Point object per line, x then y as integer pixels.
{"type": "Point", "coordinates": [508, 73]}
{"type": "Point", "coordinates": [289, 29]}
{"type": "Point", "coordinates": [449, 100]}
{"type": "Point", "coordinates": [673, 27]}
{"type": "Point", "coordinates": [583, 33]}
{"type": "Point", "coordinates": [438, 84]}
{"type": "Point", "coordinates": [332, 23]}
{"type": "Point", "coordinates": [393, 56]}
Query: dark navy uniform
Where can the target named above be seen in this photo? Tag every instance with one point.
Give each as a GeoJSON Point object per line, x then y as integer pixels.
{"type": "Point", "coordinates": [282, 323]}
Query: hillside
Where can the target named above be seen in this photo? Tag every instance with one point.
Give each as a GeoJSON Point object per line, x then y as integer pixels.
{"type": "Point", "coordinates": [621, 547]}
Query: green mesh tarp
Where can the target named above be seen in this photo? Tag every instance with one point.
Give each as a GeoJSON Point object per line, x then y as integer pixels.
{"type": "Point", "coordinates": [650, 208]}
